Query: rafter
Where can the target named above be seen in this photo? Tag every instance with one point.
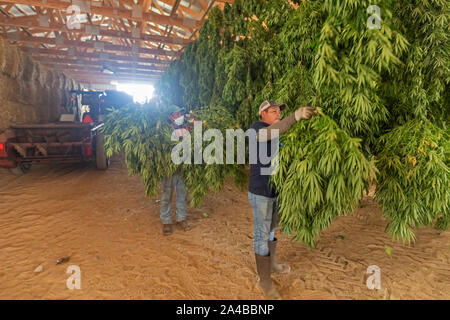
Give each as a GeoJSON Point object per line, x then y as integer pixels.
{"type": "Point", "coordinates": [89, 30]}
{"type": "Point", "coordinates": [88, 75]}
{"type": "Point", "coordinates": [99, 63]}
{"type": "Point", "coordinates": [92, 83]}
{"type": "Point", "coordinates": [145, 7]}
{"type": "Point", "coordinates": [96, 45]}
{"type": "Point", "coordinates": [97, 71]}
{"type": "Point", "coordinates": [136, 38]}
{"type": "Point", "coordinates": [114, 12]}
{"type": "Point", "coordinates": [101, 56]}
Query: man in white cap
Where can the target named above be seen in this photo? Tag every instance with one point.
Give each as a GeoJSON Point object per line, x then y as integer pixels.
{"type": "Point", "coordinates": [261, 195]}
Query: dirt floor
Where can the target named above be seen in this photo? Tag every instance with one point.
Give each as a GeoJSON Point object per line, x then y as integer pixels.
{"type": "Point", "coordinates": [103, 222]}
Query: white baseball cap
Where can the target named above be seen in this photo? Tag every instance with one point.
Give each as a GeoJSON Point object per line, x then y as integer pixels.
{"type": "Point", "coordinates": [270, 103]}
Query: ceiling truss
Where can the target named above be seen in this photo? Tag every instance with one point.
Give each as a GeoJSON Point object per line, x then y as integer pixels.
{"type": "Point", "coordinates": [135, 40]}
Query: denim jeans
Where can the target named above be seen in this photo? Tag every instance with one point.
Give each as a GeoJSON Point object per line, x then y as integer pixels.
{"type": "Point", "coordinates": [265, 214]}
{"type": "Point", "coordinates": [168, 185]}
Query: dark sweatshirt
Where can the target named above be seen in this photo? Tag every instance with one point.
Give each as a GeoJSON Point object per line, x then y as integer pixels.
{"type": "Point", "coordinates": [259, 184]}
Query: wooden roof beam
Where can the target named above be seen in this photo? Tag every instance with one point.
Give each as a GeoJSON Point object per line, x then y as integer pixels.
{"type": "Point", "coordinates": [96, 45]}
{"type": "Point", "coordinates": [96, 82]}
{"type": "Point", "coordinates": [99, 63]}
{"type": "Point", "coordinates": [135, 15]}
{"type": "Point", "coordinates": [103, 77]}
{"type": "Point", "coordinates": [89, 30]}
{"type": "Point", "coordinates": [98, 70]}
{"type": "Point", "coordinates": [94, 55]}
{"type": "Point", "coordinates": [89, 74]}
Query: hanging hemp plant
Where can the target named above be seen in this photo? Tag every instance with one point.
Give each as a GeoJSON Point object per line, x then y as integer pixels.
{"type": "Point", "coordinates": [384, 95]}
{"type": "Point", "coordinates": [236, 68]}
{"type": "Point", "coordinates": [322, 174]}
{"type": "Point", "coordinates": [414, 179]}
{"type": "Point", "coordinates": [245, 113]}
{"type": "Point", "coordinates": [143, 134]}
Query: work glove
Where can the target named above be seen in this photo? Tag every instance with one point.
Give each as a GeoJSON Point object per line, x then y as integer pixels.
{"type": "Point", "coordinates": [304, 113]}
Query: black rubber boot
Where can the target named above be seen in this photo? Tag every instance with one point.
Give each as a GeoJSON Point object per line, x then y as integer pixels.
{"type": "Point", "coordinates": [167, 229]}
{"type": "Point", "coordinates": [280, 268]}
{"type": "Point", "coordinates": [265, 281]}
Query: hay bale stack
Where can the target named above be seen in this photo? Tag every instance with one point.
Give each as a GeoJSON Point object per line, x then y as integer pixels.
{"type": "Point", "coordinates": [11, 61]}
{"type": "Point", "coordinates": [2, 54]}
{"type": "Point", "coordinates": [63, 79]}
{"type": "Point", "coordinates": [36, 68]}
{"type": "Point", "coordinates": [30, 92]}
{"type": "Point", "coordinates": [21, 63]}
{"type": "Point", "coordinates": [43, 75]}
{"type": "Point", "coordinates": [50, 83]}
{"type": "Point", "coordinates": [29, 67]}
{"type": "Point", "coordinates": [8, 88]}
{"type": "Point", "coordinates": [37, 73]}
{"type": "Point", "coordinates": [28, 83]}
{"type": "Point", "coordinates": [72, 85]}
{"type": "Point", "coordinates": [16, 101]}
{"type": "Point", "coordinates": [59, 96]}
{"type": "Point", "coordinates": [54, 96]}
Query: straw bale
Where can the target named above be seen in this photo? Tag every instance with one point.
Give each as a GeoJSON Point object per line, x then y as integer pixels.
{"type": "Point", "coordinates": [28, 68]}
{"type": "Point", "coordinates": [11, 61]}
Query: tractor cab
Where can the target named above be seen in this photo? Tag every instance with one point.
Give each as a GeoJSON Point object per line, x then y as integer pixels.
{"type": "Point", "coordinates": [96, 104]}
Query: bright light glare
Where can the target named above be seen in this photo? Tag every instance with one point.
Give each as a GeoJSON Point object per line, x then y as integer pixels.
{"type": "Point", "coordinates": [141, 93]}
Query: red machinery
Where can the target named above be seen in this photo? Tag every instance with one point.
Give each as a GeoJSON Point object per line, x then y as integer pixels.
{"type": "Point", "coordinates": [21, 145]}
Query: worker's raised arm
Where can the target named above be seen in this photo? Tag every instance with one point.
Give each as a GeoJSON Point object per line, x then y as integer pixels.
{"type": "Point", "coordinates": [277, 129]}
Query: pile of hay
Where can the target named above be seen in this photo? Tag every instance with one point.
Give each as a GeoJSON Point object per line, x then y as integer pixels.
{"type": "Point", "coordinates": [30, 92]}
{"type": "Point", "coordinates": [11, 62]}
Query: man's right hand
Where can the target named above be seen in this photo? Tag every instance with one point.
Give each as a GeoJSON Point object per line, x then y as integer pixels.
{"type": "Point", "coordinates": [304, 113]}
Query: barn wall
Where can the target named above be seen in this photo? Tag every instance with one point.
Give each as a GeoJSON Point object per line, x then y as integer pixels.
{"type": "Point", "coordinates": [29, 92]}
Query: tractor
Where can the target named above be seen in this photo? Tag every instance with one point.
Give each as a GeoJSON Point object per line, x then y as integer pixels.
{"type": "Point", "coordinates": [76, 137]}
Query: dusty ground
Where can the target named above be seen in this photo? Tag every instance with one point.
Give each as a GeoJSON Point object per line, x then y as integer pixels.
{"type": "Point", "coordinates": [112, 232]}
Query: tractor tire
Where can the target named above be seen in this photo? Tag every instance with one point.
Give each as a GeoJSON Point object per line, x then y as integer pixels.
{"type": "Point", "coordinates": [20, 169]}
{"type": "Point", "coordinates": [102, 161]}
